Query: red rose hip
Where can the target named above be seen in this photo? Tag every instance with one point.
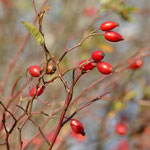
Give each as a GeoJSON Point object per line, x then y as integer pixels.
{"type": "Point", "coordinates": [135, 64]}
{"type": "Point", "coordinates": [77, 127]}
{"type": "Point", "coordinates": [87, 65]}
{"type": "Point", "coordinates": [108, 25]}
{"type": "Point", "coordinates": [113, 36]}
{"type": "Point", "coordinates": [34, 71]}
{"type": "Point", "coordinates": [104, 67]}
{"type": "Point", "coordinates": [40, 90]}
{"type": "Point", "coordinates": [121, 128]}
{"type": "Point", "coordinates": [98, 55]}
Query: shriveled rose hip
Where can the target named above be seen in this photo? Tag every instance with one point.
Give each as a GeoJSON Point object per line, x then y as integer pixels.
{"type": "Point", "coordinates": [108, 25]}
{"type": "Point", "coordinates": [50, 69]}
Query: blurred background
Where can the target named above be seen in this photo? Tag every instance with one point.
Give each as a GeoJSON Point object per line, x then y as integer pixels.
{"type": "Point", "coordinates": [64, 25]}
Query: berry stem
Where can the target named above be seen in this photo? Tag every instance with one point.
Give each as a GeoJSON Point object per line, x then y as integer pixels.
{"type": "Point", "coordinates": [79, 44]}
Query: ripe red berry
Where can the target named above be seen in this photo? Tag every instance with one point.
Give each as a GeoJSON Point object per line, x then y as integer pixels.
{"type": "Point", "coordinates": [135, 64]}
{"type": "Point", "coordinates": [40, 90]}
{"type": "Point", "coordinates": [77, 127]}
{"type": "Point", "coordinates": [121, 128]}
{"type": "Point", "coordinates": [104, 67]}
{"type": "Point", "coordinates": [87, 65]}
{"type": "Point", "coordinates": [98, 55]}
{"type": "Point", "coordinates": [113, 36]}
{"type": "Point", "coordinates": [50, 69]}
{"type": "Point", "coordinates": [108, 25]}
{"type": "Point", "coordinates": [34, 71]}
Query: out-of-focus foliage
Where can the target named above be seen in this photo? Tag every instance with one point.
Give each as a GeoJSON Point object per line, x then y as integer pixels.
{"type": "Point", "coordinates": [120, 7]}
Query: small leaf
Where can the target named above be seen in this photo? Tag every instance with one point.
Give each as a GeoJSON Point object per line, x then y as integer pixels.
{"type": "Point", "coordinates": [35, 32]}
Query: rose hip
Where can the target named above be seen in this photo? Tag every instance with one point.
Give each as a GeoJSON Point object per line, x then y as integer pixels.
{"type": "Point", "coordinates": [108, 25]}
{"type": "Point", "coordinates": [113, 36]}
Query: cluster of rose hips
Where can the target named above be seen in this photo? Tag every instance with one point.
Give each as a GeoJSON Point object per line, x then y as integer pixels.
{"type": "Point", "coordinates": [97, 56]}
{"type": "Point", "coordinates": [87, 65]}
{"type": "Point", "coordinates": [111, 35]}
{"type": "Point", "coordinates": [36, 71]}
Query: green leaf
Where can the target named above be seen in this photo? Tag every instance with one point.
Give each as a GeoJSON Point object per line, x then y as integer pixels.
{"type": "Point", "coordinates": [35, 32]}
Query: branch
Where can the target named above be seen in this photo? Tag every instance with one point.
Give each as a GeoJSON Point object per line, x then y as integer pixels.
{"type": "Point", "coordinates": [65, 108]}
{"type": "Point", "coordinates": [84, 106]}
{"type": "Point", "coordinates": [79, 44]}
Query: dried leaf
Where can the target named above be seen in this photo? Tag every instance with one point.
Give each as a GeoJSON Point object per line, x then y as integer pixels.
{"type": "Point", "coordinates": [47, 8]}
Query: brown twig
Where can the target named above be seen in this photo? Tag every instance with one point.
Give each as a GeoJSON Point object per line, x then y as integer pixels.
{"type": "Point", "coordinates": [84, 106]}
{"type": "Point", "coordinates": [79, 44]}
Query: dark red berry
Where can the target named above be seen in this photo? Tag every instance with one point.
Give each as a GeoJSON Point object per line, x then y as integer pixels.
{"type": "Point", "coordinates": [40, 90]}
{"type": "Point", "coordinates": [50, 69]}
{"type": "Point", "coordinates": [34, 71]}
{"type": "Point", "coordinates": [121, 128]}
{"type": "Point", "coordinates": [77, 127]}
{"type": "Point", "coordinates": [87, 65]}
{"type": "Point", "coordinates": [104, 67]}
{"type": "Point", "coordinates": [113, 36]}
{"type": "Point", "coordinates": [98, 55]}
{"type": "Point", "coordinates": [108, 25]}
{"type": "Point", "coordinates": [135, 64]}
